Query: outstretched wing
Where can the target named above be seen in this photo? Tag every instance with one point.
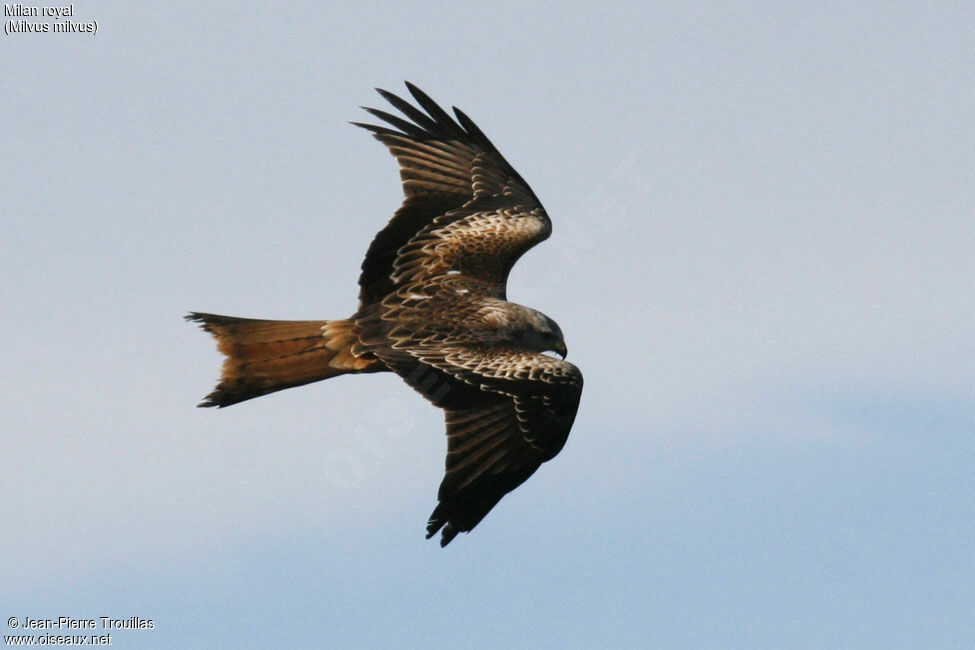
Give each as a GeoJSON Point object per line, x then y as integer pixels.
{"type": "Point", "coordinates": [467, 211]}
{"type": "Point", "coordinates": [507, 412]}
{"type": "Point", "coordinates": [467, 218]}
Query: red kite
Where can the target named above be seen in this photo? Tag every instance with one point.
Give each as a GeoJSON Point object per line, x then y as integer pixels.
{"type": "Point", "coordinates": [432, 309]}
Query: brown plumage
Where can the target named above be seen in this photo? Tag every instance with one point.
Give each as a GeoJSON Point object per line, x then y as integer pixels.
{"type": "Point", "coordinates": [264, 356]}
{"type": "Point", "coordinates": [433, 309]}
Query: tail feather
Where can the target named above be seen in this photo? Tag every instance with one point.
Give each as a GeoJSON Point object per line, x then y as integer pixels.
{"type": "Point", "coordinates": [264, 356]}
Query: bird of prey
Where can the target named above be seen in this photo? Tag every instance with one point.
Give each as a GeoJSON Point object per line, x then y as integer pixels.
{"type": "Point", "coordinates": [433, 310]}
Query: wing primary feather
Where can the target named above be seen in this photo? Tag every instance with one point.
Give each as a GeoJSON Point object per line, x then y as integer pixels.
{"type": "Point", "coordinates": [478, 136]}
{"type": "Point", "coordinates": [406, 127]}
{"type": "Point", "coordinates": [472, 129]}
{"type": "Point", "coordinates": [437, 113]}
{"type": "Point", "coordinates": [485, 465]}
{"type": "Point", "coordinates": [412, 112]}
{"type": "Point", "coordinates": [376, 130]}
{"type": "Point", "coordinates": [468, 450]}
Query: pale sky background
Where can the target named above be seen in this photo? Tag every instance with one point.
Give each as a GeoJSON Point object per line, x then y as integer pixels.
{"type": "Point", "coordinates": [763, 260]}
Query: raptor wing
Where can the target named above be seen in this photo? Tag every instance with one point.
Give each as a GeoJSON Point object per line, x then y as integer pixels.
{"type": "Point", "coordinates": [467, 211]}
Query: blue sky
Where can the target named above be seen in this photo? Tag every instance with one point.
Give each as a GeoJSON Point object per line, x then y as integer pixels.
{"type": "Point", "coordinates": [762, 260]}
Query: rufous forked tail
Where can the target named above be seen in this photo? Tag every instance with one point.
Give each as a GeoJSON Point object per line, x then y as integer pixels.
{"type": "Point", "coordinates": [264, 356]}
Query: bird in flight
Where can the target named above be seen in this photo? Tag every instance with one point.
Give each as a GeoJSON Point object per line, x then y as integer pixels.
{"type": "Point", "coordinates": [433, 310]}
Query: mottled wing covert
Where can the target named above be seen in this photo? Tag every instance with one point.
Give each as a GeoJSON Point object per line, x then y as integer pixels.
{"type": "Point", "coordinates": [466, 209]}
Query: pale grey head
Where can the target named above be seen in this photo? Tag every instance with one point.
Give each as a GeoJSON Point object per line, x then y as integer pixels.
{"type": "Point", "coordinates": [534, 330]}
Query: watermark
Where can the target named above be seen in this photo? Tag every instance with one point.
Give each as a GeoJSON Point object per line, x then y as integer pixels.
{"type": "Point", "coordinates": [23, 19]}
{"type": "Point", "coordinates": [67, 630]}
{"type": "Point", "coordinates": [374, 441]}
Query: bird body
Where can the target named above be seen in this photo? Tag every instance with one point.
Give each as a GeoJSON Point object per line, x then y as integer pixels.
{"type": "Point", "coordinates": [433, 309]}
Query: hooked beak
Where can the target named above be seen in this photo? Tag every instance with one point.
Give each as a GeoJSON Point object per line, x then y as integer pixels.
{"type": "Point", "coordinates": [561, 350]}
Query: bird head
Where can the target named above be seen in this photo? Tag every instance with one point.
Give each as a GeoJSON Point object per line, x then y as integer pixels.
{"type": "Point", "coordinates": [540, 333]}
